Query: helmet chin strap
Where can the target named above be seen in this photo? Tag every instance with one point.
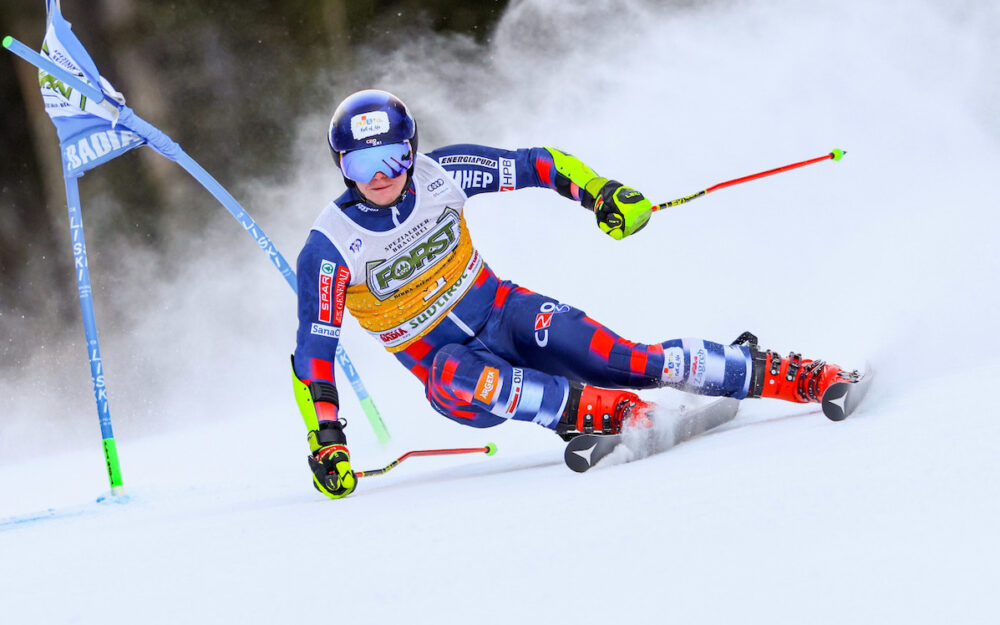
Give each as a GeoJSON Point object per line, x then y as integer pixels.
{"type": "Point", "coordinates": [392, 204]}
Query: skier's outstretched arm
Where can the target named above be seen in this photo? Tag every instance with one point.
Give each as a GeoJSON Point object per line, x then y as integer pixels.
{"type": "Point", "coordinates": [620, 210]}
{"type": "Point", "coordinates": [323, 278]}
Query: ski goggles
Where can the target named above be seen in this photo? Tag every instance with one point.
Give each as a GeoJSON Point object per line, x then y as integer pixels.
{"type": "Point", "coordinates": [391, 159]}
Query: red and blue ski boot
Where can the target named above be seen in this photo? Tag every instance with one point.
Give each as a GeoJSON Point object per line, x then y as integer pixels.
{"type": "Point", "coordinates": [791, 378]}
{"type": "Point", "coordinates": [593, 410]}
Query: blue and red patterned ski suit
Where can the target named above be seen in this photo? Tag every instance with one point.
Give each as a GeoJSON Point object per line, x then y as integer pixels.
{"type": "Point", "coordinates": [486, 349]}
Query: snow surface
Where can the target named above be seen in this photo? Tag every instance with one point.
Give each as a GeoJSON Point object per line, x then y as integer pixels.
{"type": "Point", "coordinates": [781, 516]}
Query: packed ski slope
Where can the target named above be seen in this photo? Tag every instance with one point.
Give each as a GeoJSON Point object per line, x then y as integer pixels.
{"type": "Point", "coordinates": [781, 516]}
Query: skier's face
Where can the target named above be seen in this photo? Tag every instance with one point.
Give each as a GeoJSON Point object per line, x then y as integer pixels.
{"type": "Point", "coordinates": [382, 190]}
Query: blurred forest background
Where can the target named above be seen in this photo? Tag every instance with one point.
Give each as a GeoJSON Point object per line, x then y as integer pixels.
{"type": "Point", "coordinates": [193, 68]}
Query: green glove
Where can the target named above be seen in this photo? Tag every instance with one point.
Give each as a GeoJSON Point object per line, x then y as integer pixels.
{"type": "Point", "coordinates": [331, 461]}
{"type": "Point", "coordinates": [620, 210]}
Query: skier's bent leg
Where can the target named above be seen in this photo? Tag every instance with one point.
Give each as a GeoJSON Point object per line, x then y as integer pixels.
{"type": "Point", "coordinates": [691, 365]}
{"type": "Point", "coordinates": [562, 340]}
{"type": "Point", "coordinates": [707, 368]}
{"type": "Point", "coordinates": [739, 370]}
{"type": "Point", "coordinates": [479, 389]}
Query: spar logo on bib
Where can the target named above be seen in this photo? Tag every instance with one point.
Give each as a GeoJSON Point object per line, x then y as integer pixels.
{"type": "Point", "coordinates": [332, 292]}
{"type": "Point", "coordinates": [369, 124]}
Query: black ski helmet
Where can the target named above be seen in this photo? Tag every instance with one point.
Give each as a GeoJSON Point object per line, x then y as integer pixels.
{"type": "Point", "coordinates": [368, 119]}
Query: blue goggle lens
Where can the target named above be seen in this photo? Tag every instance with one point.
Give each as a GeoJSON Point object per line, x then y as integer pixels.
{"type": "Point", "coordinates": [391, 159]}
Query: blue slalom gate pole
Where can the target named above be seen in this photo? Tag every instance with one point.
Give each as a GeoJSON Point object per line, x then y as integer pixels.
{"type": "Point", "coordinates": [49, 67]}
{"type": "Point", "coordinates": [164, 145]}
{"type": "Point", "coordinates": [90, 331]}
{"type": "Point", "coordinates": [167, 147]}
{"type": "Point", "coordinates": [244, 219]}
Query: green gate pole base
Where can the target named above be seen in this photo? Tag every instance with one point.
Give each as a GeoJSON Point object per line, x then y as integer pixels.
{"type": "Point", "coordinates": [375, 419]}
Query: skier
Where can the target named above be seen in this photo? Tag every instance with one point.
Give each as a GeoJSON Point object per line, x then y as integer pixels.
{"type": "Point", "coordinates": [394, 250]}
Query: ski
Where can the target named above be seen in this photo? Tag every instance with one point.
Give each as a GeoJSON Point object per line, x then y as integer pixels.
{"type": "Point", "coordinates": [842, 398]}
{"type": "Point", "coordinates": [586, 450]}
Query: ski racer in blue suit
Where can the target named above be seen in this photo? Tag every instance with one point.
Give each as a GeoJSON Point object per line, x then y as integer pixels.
{"type": "Point", "coordinates": [394, 250]}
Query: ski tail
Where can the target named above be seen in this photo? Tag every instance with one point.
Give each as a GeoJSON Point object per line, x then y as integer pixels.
{"type": "Point", "coordinates": [585, 451]}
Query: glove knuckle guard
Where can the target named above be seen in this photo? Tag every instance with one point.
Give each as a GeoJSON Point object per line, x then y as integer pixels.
{"type": "Point", "coordinates": [621, 211]}
{"type": "Point", "coordinates": [330, 461]}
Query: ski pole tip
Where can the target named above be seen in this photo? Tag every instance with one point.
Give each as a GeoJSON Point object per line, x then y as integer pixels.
{"type": "Point", "coordinates": [491, 449]}
{"type": "Point", "coordinates": [7, 41]}
{"type": "Point", "coordinates": [837, 154]}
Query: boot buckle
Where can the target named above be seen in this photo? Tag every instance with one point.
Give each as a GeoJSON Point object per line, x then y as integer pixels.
{"type": "Point", "coordinates": [747, 338]}
{"type": "Point", "coordinates": [775, 363]}
{"type": "Point", "coordinates": [794, 360]}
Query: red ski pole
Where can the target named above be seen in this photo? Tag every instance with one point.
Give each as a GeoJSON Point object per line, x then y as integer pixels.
{"type": "Point", "coordinates": [489, 450]}
{"type": "Point", "coordinates": [835, 155]}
